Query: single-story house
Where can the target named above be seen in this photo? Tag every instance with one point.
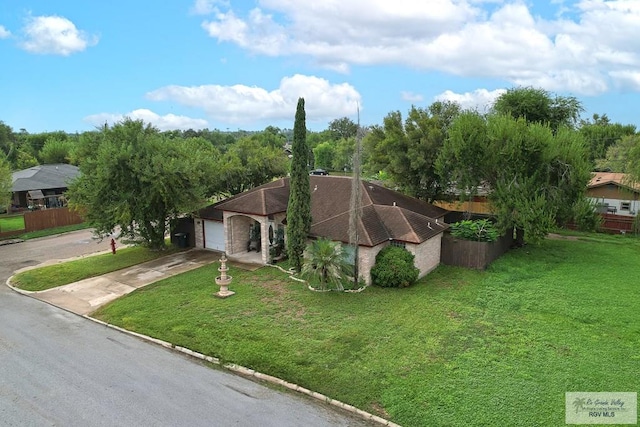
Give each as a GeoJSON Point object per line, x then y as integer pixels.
{"type": "Point", "coordinates": [42, 186]}
{"type": "Point", "coordinates": [614, 193]}
{"type": "Point", "coordinates": [388, 218]}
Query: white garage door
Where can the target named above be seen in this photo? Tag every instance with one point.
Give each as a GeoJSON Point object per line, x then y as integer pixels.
{"type": "Point", "coordinates": [214, 235]}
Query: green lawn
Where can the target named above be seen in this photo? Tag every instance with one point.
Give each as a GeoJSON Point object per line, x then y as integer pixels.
{"type": "Point", "coordinates": [61, 274]}
{"type": "Point", "coordinates": [11, 223]}
{"type": "Point", "coordinates": [461, 348]}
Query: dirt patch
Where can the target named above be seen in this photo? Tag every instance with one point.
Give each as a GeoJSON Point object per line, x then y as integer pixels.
{"type": "Point", "coordinates": [280, 297]}
{"type": "Point", "coordinates": [379, 410]}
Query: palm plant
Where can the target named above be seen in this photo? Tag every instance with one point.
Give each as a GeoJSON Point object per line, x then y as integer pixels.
{"type": "Point", "coordinates": [325, 261]}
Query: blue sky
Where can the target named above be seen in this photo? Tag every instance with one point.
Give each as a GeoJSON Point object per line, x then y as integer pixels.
{"type": "Point", "coordinates": [72, 65]}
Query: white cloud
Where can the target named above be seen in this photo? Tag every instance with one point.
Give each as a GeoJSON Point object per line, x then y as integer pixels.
{"type": "Point", "coordinates": [206, 7]}
{"type": "Point", "coordinates": [577, 51]}
{"type": "Point", "coordinates": [627, 79]}
{"type": "Point", "coordinates": [246, 104]}
{"type": "Point", "coordinates": [480, 100]}
{"type": "Point", "coordinates": [411, 97]}
{"type": "Point", "coordinates": [166, 122]}
{"type": "Point", "coordinates": [4, 33]}
{"type": "Point", "coordinates": [54, 35]}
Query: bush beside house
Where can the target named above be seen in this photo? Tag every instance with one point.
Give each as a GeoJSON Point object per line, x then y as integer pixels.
{"type": "Point", "coordinates": [394, 268]}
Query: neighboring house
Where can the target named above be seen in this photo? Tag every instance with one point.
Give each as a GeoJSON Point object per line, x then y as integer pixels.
{"type": "Point", "coordinates": [42, 186]}
{"type": "Point", "coordinates": [614, 193]}
{"type": "Point", "coordinates": [388, 217]}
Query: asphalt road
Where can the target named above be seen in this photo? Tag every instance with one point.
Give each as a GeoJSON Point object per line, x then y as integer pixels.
{"type": "Point", "coordinates": [59, 369]}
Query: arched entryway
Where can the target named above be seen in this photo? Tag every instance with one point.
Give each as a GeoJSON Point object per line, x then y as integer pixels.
{"type": "Point", "coordinates": [247, 236]}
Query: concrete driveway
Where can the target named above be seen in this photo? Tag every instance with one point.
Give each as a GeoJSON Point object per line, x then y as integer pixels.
{"type": "Point", "coordinates": [87, 295]}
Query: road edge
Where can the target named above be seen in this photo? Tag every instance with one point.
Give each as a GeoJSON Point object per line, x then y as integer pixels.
{"type": "Point", "coordinates": [237, 369]}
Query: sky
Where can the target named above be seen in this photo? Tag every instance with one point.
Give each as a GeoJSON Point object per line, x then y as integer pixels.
{"type": "Point", "coordinates": [73, 65]}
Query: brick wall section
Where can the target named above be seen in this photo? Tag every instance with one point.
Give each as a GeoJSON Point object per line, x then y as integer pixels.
{"type": "Point", "coordinates": [236, 232]}
{"type": "Point", "coordinates": [427, 254]}
{"type": "Point", "coordinates": [367, 260]}
{"type": "Point", "coordinates": [199, 232]}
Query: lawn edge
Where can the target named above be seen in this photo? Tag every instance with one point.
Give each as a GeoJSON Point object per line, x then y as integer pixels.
{"type": "Point", "coordinates": [251, 374]}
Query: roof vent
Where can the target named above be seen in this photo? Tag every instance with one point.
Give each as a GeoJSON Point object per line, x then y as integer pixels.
{"type": "Point", "coordinates": [394, 203]}
{"type": "Point", "coordinates": [429, 226]}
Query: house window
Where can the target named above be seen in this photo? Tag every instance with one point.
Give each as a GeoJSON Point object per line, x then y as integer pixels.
{"type": "Point", "coordinates": [398, 244]}
{"type": "Point", "coordinates": [625, 206]}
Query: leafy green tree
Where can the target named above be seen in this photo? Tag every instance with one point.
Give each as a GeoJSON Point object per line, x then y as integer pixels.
{"type": "Point", "coordinates": [324, 154]}
{"type": "Point", "coordinates": [299, 208]}
{"type": "Point", "coordinates": [374, 156]}
{"type": "Point", "coordinates": [539, 106]}
{"type": "Point", "coordinates": [535, 176]}
{"type": "Point", "coordinates": [273, 137]}
{"type": "Point", "coordinates": [248, 163]}
{"type": "Point", "coordinates": [601, 134]}
{"type": "Point", "coordinates": [7, 138]}
{"type": "Point", "coordinates": [463, 159]}
{"type": "Point", "coordinates": [5, 181]}
{"type": "Point", "coordinates": [343, 128]}
{"type": "Point", "coordinates": [139, 181]}
{"type": "Point", "coordinates": [568, 172]}
{"type": "Point", "coordinates": [325, 261]}
{"type": "Point", "coordinates": [343, 155]}
{"type": "Point", "coordinates": [408, 152]}
{"type": "Point", "coordinates": [24, 159]}
{"type": "Point", "coordinates": [622, 156]}
{"type": "Point", "coordinates": [56, 151]}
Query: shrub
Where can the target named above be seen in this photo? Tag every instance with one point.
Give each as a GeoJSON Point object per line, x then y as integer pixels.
{"type": "Point", "coordinates": [585, 215]}
{"type": "Point", "coordinates": [480, 230]}
{"type": "Point", "coordinates": [394, 268]}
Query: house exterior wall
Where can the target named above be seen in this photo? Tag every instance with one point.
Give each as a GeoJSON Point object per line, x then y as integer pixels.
{"type": "Point", "coordinates": [620, 205]}
{"type": "Point", "coordinates": [427, 254]}
{"type": "Point", "coordinates": [367, 260]}
{"type": "Point", "coordinates": [616, 197]}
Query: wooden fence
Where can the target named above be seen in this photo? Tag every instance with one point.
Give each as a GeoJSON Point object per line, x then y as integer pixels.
{"type": "Point", "coordinates": [617, 224]}
{"type": "Point", "coordinates": [50, 218]}
{"type": "Point", "coordinates": [470, 254]}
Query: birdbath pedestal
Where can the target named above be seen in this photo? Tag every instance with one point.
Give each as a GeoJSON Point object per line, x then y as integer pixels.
{"type": "Point", "coordinates": [223, 280]}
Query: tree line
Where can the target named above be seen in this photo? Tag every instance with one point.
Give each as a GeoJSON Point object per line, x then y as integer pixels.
{"type": "Point", "coordinates": [531, 150]}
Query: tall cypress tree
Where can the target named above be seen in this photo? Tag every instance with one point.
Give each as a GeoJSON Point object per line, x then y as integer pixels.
{"type": "Point", "coordinates": [299, 209]}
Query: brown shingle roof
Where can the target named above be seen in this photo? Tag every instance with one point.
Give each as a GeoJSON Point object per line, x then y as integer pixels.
{"type": "Point", "coordinates": [621, 179]}
{"type": "Point", "coordinates": [386, 214]}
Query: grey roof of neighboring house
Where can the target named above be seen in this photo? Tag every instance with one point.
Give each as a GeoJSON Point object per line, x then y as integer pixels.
{"type": "Point", "coordinates": [44, 177]}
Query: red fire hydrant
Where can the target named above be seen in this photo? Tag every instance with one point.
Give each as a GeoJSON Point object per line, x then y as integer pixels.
{"type": "Point", "coordinates": [113, 246]}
